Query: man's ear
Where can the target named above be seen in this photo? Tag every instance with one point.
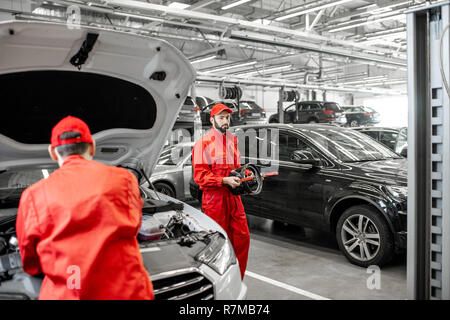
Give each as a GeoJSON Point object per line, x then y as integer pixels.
{"type": "Point", "coordinates": [92, 149]}
{"type": "Point", "coordinates": [211, 119]}
{"type": "Point", "coordinates": [52, 153]}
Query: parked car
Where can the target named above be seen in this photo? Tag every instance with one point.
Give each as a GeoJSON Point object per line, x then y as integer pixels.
{"type": "Point", "coordinates": [256, 110]}
{"type": "Point", "coordinates": [312, 112]}
{"type": "Point", "coordinates": [395, 139]}
{"type": "Point", "coordinates": [173, 171]}
{"type": "Point", "coordinates": [187, 114]}
{"type": "Point", "coordinates": [126, 106]}
{"type": "Point", "coordinates": [359, 115]}
{"type": "Point", "coordinates": [334, 179]}
{"type": "Point", "coordinates": [248, 113]}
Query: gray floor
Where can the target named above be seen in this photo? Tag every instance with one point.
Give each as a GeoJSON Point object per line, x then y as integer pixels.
{"type": "Point", "coordinates": [294, 263]}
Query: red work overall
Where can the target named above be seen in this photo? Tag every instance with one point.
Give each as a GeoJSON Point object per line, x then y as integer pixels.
{"type": "Point", "coordinates": [213, 158]}
{"type": "Point", "coordinates": [78, 227]}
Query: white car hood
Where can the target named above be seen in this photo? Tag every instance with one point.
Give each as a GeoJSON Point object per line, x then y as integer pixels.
{"type": "Point", "coordinates": [30, 48]}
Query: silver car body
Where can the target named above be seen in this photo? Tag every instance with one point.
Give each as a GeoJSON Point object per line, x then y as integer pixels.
{"type": "Point", "coordinates": [177, 175]}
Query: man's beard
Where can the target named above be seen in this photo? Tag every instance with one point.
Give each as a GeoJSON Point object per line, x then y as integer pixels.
{"type": "Point", "coordinates": [222, 129]}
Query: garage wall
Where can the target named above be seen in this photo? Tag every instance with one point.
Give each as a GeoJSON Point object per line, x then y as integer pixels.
{"type": "Point", "coordinates": [393, 109]}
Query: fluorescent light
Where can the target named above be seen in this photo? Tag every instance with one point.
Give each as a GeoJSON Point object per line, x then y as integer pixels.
{"type": "Point", "coordinates": [178, 5]}
{"type": "Point", "coordinates": [234, 4]}
{"type": "Point", "coordinates": [299, 13]}
{"type": "Point", "coordinates": [401, 15]}
{"type": "Point", "coordinates": [264, 70]}
{"type": "Point", "coordinates": [201, 59]}
{"type": "Point", "coordinates": [232, 66]}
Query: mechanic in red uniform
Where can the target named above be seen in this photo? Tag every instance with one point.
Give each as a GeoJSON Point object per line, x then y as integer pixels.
{"type": "Point", "coordinates": [213, 158]}
{"type": "Point", "coordinates": [78, 227]}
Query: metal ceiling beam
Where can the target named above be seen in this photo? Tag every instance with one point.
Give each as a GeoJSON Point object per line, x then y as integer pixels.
{"type": "Point", "coordinates": [282, 82]}
{"type": "Point", "coordinates": [230, 22]}
{"type": "Point", "coordinates": [273, 40]}
{"type": "Point", "coordinates": [201, 4]}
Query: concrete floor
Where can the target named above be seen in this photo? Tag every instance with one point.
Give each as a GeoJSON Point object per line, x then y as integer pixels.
{"type": "Point", "coordinates": [293, 263]}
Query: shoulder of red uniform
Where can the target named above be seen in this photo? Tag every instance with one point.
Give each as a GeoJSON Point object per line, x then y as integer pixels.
{"type": "Point", "coordinates": [206, 139]}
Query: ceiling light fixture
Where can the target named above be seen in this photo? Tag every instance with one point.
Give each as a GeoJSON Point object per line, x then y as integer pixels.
{"type": "Point", "coordinates": [264, 70]}
{"type": "Point", "coordinates": [393, 17]}
{"type": "Point", "coordinates": [234, 4]}
{"type": "Point", "coordinates": [178, 5]}
{"type": "Point", "coordinates": [230, 66]}
{"type": "Point", "coordinates": [299, 13]}
{"type": "Point", "coordinates": [204, 58]}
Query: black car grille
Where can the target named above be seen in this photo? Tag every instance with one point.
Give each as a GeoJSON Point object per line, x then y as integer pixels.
{"type": "Point", "coordinates": [191, 285]}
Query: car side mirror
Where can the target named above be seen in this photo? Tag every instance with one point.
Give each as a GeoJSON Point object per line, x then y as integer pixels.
{"type": "Point", "coordinates": [304, 157]}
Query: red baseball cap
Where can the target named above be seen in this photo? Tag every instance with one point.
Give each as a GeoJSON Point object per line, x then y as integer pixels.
{"type": "Point", "coordinates": [218, 108]}
{"type": "Point", "coordinates": [70, 123]}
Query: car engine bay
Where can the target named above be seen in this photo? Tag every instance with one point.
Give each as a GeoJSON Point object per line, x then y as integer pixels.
{"type": "Point", "coordinates": [165, 227]}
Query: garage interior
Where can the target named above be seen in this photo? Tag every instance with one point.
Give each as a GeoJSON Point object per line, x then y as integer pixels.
{"type": "Point", "coordinates": [389, 55]}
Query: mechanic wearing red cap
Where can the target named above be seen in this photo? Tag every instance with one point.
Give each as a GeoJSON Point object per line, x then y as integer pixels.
{"type": "Point", "coordinates": [78, 227]}
{"type": "Point", "coordinates": [214, 156]}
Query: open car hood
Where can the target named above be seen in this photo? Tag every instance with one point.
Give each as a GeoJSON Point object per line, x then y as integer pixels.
{"type": "Point", "coordinates": [129, 91]}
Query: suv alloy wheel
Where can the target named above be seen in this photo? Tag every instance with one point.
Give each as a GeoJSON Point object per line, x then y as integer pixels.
{"type": "Point", "coordinates": [364, 237]}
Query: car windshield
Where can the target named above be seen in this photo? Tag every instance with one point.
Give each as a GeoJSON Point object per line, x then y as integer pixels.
{"type": "Point", "coordinates": [349, 145]}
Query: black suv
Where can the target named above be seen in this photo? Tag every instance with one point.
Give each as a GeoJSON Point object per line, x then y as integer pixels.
{"type": "Point", "coordinates": [330, 178]}
{"type": "Point", "coordinates": [312, 112]}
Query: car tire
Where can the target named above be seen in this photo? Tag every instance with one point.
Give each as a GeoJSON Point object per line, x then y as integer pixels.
{"type": "Point", "coordinates": [312, 120]}
{"type": "Point", "coordinates": [352, 231]}
{"type": "Point", "coordinates": [165, 188]}
{"type": "Point", "coordinates": [273, 120]}
{"type": "Point", "coordinates": [354, 123]}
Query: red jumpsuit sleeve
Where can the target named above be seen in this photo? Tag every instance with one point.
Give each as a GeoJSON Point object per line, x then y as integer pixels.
{"type": "Point", "coordinates": [203, 176]}
{"type": "Point", "coordinates": [28, 234]}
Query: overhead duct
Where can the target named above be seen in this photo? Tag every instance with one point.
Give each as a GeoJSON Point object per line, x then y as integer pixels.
{"type": "Point", "coordinates": [287, 43]}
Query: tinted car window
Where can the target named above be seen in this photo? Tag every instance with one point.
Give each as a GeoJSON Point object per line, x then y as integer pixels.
{"type": "Point", "coordinates": [348, 145]}
{"type": "Point", "coordinates": [332, 106]}
{"type": "Point", "coordinates": [290, 108]}
{"type": "Point", "coordinates": [389, 138]}
{"type": "Point", "coordinates": [289, 143]}
{"type": "Point", "coordinates": [245, 106]}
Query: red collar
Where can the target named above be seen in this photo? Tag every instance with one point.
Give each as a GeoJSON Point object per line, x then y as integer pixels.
{"type": "Point", "coordinates": [73, 159]}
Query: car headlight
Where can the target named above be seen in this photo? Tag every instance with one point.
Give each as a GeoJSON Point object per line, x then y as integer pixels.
{"type": "Point", "coordinates": [400, 193]}
{"type": "Point", "coordinates": [218, 254]}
